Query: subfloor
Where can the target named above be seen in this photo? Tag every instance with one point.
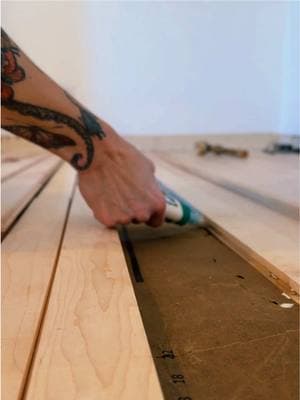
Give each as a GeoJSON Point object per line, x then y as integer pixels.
{"type": "Point", "coordinates": [217, 328]}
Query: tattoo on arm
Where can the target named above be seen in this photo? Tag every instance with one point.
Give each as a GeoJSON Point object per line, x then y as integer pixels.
{"type": "Point", "coordinates": [11, 72]}
{"type": "Point", "coordinates": [87, 127]}
{"type": "Point", "coordinates": [40, 136]}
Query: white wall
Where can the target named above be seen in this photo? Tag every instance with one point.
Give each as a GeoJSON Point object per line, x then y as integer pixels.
{"type": "Point", "coordinates": [290, 106]}
{"type": "Point", "coordinates": [170, 67]}
{"type": "Point", "coordinates": [50, 33]}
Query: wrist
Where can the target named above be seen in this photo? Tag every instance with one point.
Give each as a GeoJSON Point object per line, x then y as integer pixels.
{"type": "Point", "coordinates": [110, 149]}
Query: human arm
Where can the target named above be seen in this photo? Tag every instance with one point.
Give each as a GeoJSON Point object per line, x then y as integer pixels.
{"type": "Point", "coordinates": [116, 180]}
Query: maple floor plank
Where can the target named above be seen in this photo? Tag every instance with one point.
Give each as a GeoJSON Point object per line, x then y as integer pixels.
{"type": "Point", "coordinates": [93, 345]}
{"type": "Point", "coordinates": [12, 167]}
{"type": "Point", "coordinates": [17, 192]}
{"type": "Point", "coordinates": [28, 259]}
{"type": "Point", "coordinates": [273, 180]}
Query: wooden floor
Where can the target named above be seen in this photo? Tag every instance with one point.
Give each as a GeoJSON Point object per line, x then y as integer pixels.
{"type": "Point", "coordinates": [71, 326]}
{"type": "Point", "coordinates": [71, 323]}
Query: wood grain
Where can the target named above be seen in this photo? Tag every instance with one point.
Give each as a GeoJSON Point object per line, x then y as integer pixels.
{"type": "Point", "coordinates": [28, 259]}
{"type": "Point", "coordinates": [20, 189]}
{"type": "Point", "coordinates": [13, 146]}
{"type": "Point", "coordinates": [272, 180]}
{"type": "Point", "coordinates": [93, 345]}
{"type": "Point", "coordinates": [12, 168]}
{"type": "Point", "coordinates": [269, 240]}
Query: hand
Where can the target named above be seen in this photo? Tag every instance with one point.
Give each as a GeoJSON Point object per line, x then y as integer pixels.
{"type": "Point", "coordinates": [120, 186]}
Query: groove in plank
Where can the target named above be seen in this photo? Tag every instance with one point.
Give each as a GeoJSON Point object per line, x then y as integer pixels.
{"type": "Point", "coordinates": [265, 238]}
{"type": "Point", "coordinates": [12, 168]}
{"type": "Point", "coordinates": [17, 192]}
{"type": "Point", "coordinates": [28, 260]}
{"type": "Point", "coordinates": [272, 180]}
{"type": "Point", "coordinates": [93, 345]}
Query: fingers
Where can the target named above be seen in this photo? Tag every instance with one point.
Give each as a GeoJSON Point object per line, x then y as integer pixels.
{"type": "Point", "coordinates": [113, 217]}
{"type": "Point", "coordinates": [157, 217]}
{"type": "Point", "coordinates": [156, 220]}
{"type": "Point", "coordinates": [154, 214]}
{"type": "Point", "coordinates": [117, 205]}
{"type": "Point", "coordinates": [151, 213]}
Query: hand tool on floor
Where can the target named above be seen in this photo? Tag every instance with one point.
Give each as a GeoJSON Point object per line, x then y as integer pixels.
{"type": "Point", "coordinates": [285, 145]}
{"type": "Point", "coordinates": [204, 148]}
{"type": "Point", "coordinates": [179, 210]}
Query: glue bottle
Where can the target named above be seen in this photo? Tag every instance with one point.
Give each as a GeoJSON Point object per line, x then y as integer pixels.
{"type": "Point", "coordinates": [179, 210]}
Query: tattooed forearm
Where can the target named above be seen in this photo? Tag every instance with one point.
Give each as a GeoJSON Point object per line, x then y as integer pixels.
{"type": "Point", "coordinates": [86, 126]}
{"type": "Point", "coordinates": [40, 136]}
{"type": "Point", "coordinates": [89, 127]}
{"type": "Point", "coordinates": [11, 72]}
